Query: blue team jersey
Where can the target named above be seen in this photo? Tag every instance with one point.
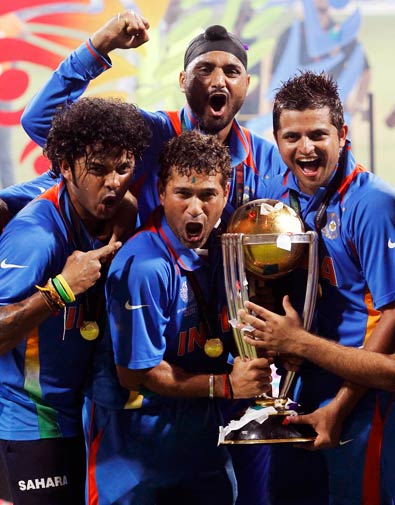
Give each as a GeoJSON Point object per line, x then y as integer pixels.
{"type": "Point", "coordinates": [19, 195]}
{"type": "Point", "coordinates": [41, 379]}
{"type": "Point", "coordinates": [254, 159]}
{"type": "Point", "coordinates": [355, 255]}
{"type": "Point", "coordinates": [152, 308]}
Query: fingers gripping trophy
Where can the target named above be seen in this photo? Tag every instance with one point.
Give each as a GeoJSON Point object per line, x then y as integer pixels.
{"type": "Point", "coordinates": [266, 240]}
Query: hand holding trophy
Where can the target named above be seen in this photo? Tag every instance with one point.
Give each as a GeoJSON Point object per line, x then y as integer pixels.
{"type": "Point", "coordinates": [266, 239]}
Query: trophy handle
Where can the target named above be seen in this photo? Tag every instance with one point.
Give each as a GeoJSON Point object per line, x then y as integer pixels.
{"type": "Point", "coordinates": [236, 286]}
{"type": "Point", "coordinates": [309, 302]}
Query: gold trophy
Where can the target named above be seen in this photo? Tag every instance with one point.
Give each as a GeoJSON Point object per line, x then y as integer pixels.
{"type": "Point", "coordinates": [266, 239]}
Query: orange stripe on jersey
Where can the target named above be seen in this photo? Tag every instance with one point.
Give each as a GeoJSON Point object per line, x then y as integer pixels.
{"type": "Point", "coordinates": [175, 121]}
{"type": "Point", "coordinates": [52, 194]}
{"type": "Point", "coordinates": [249, 160]}
{"type": "Point", "coordinates": [102, 63]}
{"type": "Point", "coordinates": [286, 177]}
{"type": "Point", "coordinates": [371, 474]}
{"type": "Point", "coordinates": [46, 415]}
{"type": "Point", "coordinates": [32, 364]}
{"type": "Point", "coordinates": [241, 138]}
{"type": "Point", "coordinates": [93, 493]}
{"type": "Point", "coordinates": [373, 316]}
{"type": "Point", "coordinates": [348, 180]}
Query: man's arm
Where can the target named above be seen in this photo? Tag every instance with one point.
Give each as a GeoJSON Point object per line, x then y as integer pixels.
{"type": "Point", "coordinates": [81, 271]}
{"type": "Point", "coordinates": [73, 75]}
{"type": "Point", "coordinates": [15, 197]}
{"type": "Point", "coordinates": [327, 421]}
{"type": "Point", "coordinates": [248, 379]}
{"type": "Point", "coordinates": [285, 334]}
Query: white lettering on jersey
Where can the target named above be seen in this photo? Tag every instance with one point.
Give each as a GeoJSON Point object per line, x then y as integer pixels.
{"type": "Point", "coordinates": [43, 483]}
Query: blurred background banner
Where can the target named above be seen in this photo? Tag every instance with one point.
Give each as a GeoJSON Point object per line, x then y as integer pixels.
{"type": "Point", "coordinates": [352, 40]}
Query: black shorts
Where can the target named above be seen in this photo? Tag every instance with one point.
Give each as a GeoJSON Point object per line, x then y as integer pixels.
{"type": "Point", "coordinates": [45, 472]}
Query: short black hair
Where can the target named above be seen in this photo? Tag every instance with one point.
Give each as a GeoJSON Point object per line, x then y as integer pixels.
{"type": "Point", "coordinates": [98, 126]}
{"type": "Point", "coordinates": [195, 151]}
{"type": "Point", "coordinates": [309, 90]}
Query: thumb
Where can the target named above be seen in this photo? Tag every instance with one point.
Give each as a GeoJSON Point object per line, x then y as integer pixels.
{"type": "Point", "coordinates": [289, 310]}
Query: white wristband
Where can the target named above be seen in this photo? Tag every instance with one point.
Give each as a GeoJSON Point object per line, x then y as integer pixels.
{"type": "Point", "coordinates": [211, 387]}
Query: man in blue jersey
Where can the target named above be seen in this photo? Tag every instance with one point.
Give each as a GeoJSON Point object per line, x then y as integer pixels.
{"type": "Point", "coordinates": [354, 213]}
{"type": "Point", "coordinates": [51, 264]}
{"type": "Point", "coordinates": [286, 335]}
{"type": "Point", "coordinates": [215, 82]}
{"type": "Point", "coordinates": [171, 341]}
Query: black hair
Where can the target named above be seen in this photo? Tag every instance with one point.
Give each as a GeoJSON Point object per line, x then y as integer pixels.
{"type": "Point", "coordinates": [95, 126]}
{"type": "Point", "coordinates": [195, 151]}
{"type": "Point", "coordinates": [309, 90]}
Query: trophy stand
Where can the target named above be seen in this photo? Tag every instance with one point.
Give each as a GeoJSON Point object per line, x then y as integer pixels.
{"type": "Point", "coordinates": [265, 422]}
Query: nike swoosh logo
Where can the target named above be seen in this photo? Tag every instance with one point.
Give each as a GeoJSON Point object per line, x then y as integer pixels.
{"type": "Point", "coordinates": [4, 264]}
{"type": "Point", "coordinates": [133, 307]}
{"type": "Point", "coordinates": [344, 442]}
{"type": "Point", "coordinates": [391, 244]}
{"type": "Point", "coordinates": [42, 190]}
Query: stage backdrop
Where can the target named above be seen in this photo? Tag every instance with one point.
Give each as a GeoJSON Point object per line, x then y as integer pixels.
{"type": "Point", "coordinates": [353, 41]}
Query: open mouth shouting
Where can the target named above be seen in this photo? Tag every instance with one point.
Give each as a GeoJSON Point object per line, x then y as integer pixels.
{"type": "Point", "coordinates": [194, 233]}
{"type": "Point", "coordinates": [309, 166]}
{"type": "Point", "coordinates": [217, 102]}
{"type": "Point", "coordinates": [109, 203]}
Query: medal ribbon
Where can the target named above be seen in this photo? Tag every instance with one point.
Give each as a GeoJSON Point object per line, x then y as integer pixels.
{"type": "Point", "coordinates": [92, 311]}
{"type": "Point", "coordinates": [203, 313]}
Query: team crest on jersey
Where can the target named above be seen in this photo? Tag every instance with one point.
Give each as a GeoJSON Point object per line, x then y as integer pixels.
{"type": "Point", "coordinates": [184, 292]}
{"type": "Point", "coordinates": [331, 229]}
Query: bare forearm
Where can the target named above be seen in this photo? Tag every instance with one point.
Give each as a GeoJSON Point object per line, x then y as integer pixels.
{"type": "Point", "coordinates": [284, 334]}
{"type": "Point", "coordinates": [17, 319]}
{"type": "Point", "coordinates": [371, 369]}
{"type": "Point", "coordinates": [381, 341]}
{"type": "Point", "coordinates": [169, 380]}
{"type": "Point", "coordinates": [249, 378]}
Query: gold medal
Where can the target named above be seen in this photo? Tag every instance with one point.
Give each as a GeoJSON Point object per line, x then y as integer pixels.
{"type": "Point", "coordinates": [89, 330]}
{"type": "Point", "coordinates": [213, 347]}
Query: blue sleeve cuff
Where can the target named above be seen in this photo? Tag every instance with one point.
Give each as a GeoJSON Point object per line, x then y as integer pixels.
{"type": "Point", "coordinates": [90, 61]}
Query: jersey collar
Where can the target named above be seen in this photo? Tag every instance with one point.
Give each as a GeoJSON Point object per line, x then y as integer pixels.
{"type": "Point", "coordinates": [239, 146]}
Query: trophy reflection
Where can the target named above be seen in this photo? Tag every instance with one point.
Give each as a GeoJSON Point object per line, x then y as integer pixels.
{"type": "Point", "coordinates": [266, 240]}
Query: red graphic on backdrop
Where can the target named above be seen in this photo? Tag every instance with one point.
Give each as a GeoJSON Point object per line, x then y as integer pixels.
{"type": "Point", "coordinates": [32, 44]}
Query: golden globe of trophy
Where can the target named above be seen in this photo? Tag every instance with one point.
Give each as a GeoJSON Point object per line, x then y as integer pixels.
{"type": "Point", "coordinates": [266, 239]}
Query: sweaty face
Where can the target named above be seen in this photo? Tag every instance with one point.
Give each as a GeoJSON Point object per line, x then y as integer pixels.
{"type": "Point", "coordinates": [98, 186]}
{"type": "Point", "coordinates": [310, 146]}
{"type": "Point", "coordinates": [192, 205]}
{"type": "Point", "coordinates": [215, 85]}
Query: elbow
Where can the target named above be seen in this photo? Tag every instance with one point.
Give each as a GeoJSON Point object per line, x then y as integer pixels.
{"type": "Point", "coordinates": [129, 379]}
{"type": "Point", "coordinates": [25, 121]}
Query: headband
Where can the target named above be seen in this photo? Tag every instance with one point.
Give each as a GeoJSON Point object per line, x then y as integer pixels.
{"type": "Point", "coordinates": [216, 38]}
